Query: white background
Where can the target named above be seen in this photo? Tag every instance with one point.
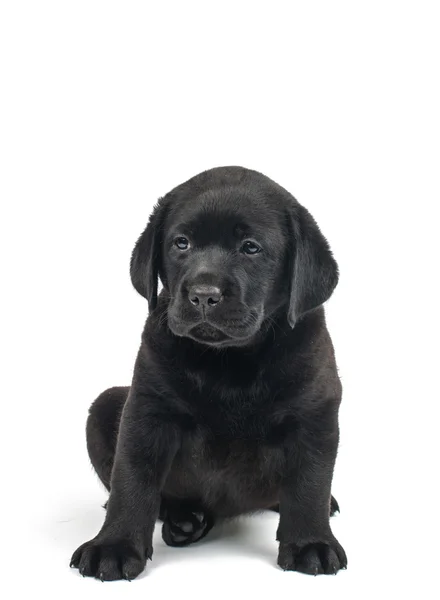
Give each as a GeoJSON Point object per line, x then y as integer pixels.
{"type": "Point", "coordinates": [105, 106]}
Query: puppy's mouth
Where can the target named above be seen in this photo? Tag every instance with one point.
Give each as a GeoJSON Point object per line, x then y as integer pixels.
{"type": "Point", "coordinates": [208, 334]}
{"type": "Point", "coordinates": [205, 332]}
{"type": "Point", "coordinates": [236, 328]}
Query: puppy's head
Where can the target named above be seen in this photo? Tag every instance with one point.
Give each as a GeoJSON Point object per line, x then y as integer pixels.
{"type": "Point", "coordinates": [231, 248]}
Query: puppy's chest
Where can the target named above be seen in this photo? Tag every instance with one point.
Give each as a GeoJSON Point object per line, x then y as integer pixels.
{"type": "Point", "coordinates": [237, 413]}
{"type": "Point", "coordinates": [235, 437]}
{"type": "Point", "coordinates": [236, 421]}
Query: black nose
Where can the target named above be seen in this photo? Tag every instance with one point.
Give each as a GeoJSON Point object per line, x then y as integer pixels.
{"type": "Point", "coordinates": [205, 295]}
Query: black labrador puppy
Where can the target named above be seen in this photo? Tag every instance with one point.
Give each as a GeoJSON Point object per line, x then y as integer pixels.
{"type": "Point", "coordinates": [233, 407]}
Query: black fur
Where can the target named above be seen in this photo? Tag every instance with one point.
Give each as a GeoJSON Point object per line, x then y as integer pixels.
{"type": "Point", "coordinates": [233, 407]}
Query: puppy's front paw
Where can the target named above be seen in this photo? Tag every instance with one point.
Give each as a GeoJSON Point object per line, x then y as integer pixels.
{"type": "Point", "coordinates": [109, 560]}
{"type": "Point", "coordinates": [314, 559]}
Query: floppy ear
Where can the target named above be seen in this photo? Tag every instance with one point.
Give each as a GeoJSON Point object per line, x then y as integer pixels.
{"type": "Point", "coordinates": [314, 270]}
{"type": "Point", "coordinates": [147, 256]}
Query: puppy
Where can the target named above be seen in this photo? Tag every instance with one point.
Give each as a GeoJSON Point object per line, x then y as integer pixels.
{"type": "Point", "coordinates": [233, 406]}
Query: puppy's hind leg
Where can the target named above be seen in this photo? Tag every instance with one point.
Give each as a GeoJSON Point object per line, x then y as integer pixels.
{"type": "Point", "coordinates": [182, 525]}
{"type": "Point", "coordinates": [184, 522]}
{"type": "Point", "coordinates": [102, 430]}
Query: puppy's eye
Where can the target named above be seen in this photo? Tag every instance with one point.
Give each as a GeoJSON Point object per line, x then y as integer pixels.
{"type": "Point", "coordinates": [182, 243]}
{"type": "Point", "coordinates": [250, 248]}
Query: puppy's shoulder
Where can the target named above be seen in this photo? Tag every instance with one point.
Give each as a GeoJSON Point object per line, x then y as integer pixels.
{"type": "Point", "coordinates": [309, 340]}
{"type": "Point", "coordinates": [304, 363]}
